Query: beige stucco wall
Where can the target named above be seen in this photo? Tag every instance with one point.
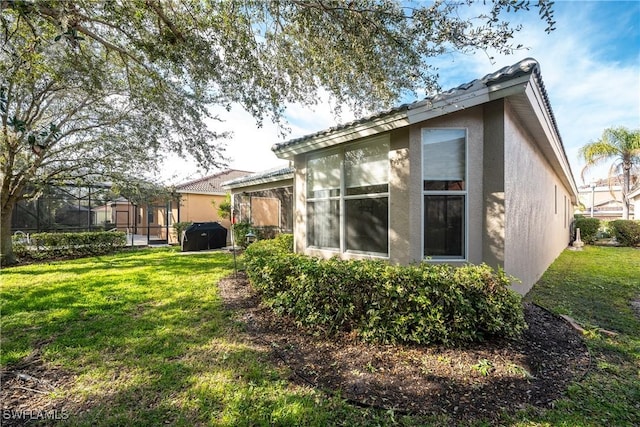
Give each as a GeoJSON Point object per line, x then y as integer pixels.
{"type": "Point", "coordinates": [299, 203]}
{"type": "Point", "coordinates": [405, 191]}
{"type": "Point", "coordinates": [265, 211]}
{"type": "Point", "coordinates": [635, 200]}
{"type": "Point", "coordinates": [518, 210]}
{"type": "Point", "coordinates": [537, 208]}
{"type": "Point", "coordinates": [493, 191]}
{"type": "Point", "coordinates": [472, 121]}
{"type": "Point", "coordinates": [199, 208]}
{"type": "Point", "coordinates": [401, 218]}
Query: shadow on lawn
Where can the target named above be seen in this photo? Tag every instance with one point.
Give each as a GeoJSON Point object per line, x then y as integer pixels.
{"type": "Point", "coordinates": [121, 358]}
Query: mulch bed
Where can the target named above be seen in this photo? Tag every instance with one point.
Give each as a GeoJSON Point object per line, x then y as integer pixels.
{"type": "Point", "coordinates": [473, 382]}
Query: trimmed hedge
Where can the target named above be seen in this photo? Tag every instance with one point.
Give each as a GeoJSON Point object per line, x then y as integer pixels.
{"type": "Point", "coordinates": [241, 229]}
{"type": "Point", "coordinates": [423, 303]}
{"type": "Point", "coordinates": [626, 232]}
{"type": "Point", "coordinates": [589, 228]}
{"type": "Point", "coordinates": [51, 245]}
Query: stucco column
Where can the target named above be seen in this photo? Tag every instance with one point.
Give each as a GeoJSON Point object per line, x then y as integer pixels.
{"type": "Point", "coordinates": [399, 196]}
{"type": "Point", "coordinates": [493, 231]}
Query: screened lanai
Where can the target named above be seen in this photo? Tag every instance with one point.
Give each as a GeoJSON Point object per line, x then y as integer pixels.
{"type": "Point", "coordinates": [75, 207]}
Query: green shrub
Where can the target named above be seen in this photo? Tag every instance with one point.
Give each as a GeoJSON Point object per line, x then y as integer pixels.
{"type": "Point", "coordinates": [51, 245]}
{"type": "Point", "coordinates": [626, 232]}
{"type": "Point", "coordinates": [240, 231]}
{"type": "Point", "coordinates": [179, 227]}
{"type": "Point", "coordinates": [421, 303]}
{"type": "Point", "coordinates": [282, 242]}
{"type": "Point", "coordinates": [20, 246]}
{"type": "Point", "coordinates": [267, 231]}
{"type": "Point", "coordinates": [588, 229]}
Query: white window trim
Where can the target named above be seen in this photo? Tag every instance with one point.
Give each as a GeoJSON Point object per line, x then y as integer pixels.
{"type": "Point", "coordinates": [385, 139]}
{"type": "Point", "coordinates": [465, 193]}
{"type": "Point", "coordinates": [308, 199]}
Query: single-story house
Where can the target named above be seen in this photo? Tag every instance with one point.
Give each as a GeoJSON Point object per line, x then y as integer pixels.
{"type": "Point", "coordinates": [199, 199]}
{"type": "Point", "coordinates": [602, 199]}
{"type": "Point", "coordinates": [196, 201]}
{"type": "Point", "coordinates": [476, 174]}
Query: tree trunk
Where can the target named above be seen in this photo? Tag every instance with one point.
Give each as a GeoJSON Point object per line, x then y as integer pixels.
{"type": "Point", "coordinates": [7, 257]}
{"type": "Point", "coordinates": [625, 191]}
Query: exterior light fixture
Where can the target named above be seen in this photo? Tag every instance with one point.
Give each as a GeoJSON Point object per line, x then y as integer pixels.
{"type": "Point", "coordinates": [250, 238]}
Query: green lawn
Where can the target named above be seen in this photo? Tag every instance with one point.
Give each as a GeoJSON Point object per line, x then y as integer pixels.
{"type": "Point", "coordinates": [147, 342]}
{"type": "Point", "coordinates": [595, 286]}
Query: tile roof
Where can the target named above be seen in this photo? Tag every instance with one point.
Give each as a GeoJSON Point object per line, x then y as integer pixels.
{"type": "Point", "coordinates": [260, 177]}
{"type": "Point", "coordinates": [526, 66]}
{"type": "Point", "coordinates": [211, 184]}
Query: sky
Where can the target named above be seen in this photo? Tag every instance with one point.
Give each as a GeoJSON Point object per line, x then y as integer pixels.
{"type": "Point", "coordinates": [590, 67]}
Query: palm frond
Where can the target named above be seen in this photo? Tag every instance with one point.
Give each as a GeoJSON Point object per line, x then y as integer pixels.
{"type": "Point", "coordinates": [616, 143]}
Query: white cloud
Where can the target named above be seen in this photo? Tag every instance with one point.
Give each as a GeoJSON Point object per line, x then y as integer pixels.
{"type": "Point", "coordinates": [249, 147]}
{"type": "Point", "coordinates": [588, 90]}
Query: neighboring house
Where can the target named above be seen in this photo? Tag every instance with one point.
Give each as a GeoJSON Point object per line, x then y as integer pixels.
{"type": "Point", "coordinates": [200, 198]}
{"type": "Point", "coordinates": [475, 174]}
{"type": "Point", "coordinates": [264, 199]}
{"type": "Point", "coordinates": [634, 197]}
{"type": "Point", "coordinates": [605, 199]}
{"type": "Point", "coordinates": [102, 216]}
{"type": "Point", "coordinates": [155, 220]}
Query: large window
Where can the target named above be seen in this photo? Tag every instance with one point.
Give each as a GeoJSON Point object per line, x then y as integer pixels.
{"type": "Point", "coordinates": [323, 201]}
{"type": "Point", "coordinates": [348, 199]}
{"type": "Point", "coordinates": [444, 193]}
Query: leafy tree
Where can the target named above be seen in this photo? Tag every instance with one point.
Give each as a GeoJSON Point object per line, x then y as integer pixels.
{"type": "Point", "coordinates": [99, 88]}
{"type": "Point", "coordinates": [621, 146]}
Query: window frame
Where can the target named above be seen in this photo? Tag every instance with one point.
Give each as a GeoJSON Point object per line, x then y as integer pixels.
{"type": "Point", "coordinates": [329, 199]}
{"type": "Point", "coordinates": [342, 197]}
{"type": "Point", "coordinates": [464, 193]}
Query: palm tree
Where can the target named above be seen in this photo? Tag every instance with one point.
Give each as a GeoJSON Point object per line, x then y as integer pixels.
{"type": "Point", "coordinates": [623, 147]}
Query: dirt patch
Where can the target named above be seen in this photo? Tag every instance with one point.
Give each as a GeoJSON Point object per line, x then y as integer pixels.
{"type": "Point", "coordinates": [471, 382]}
{"type": "Point", "coordinates": [26, 391]}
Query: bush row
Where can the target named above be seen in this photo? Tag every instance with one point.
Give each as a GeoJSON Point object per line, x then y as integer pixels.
{"type": "Point", "coordinates": [262, 232]}
{"type": "Point", "coordinates": [589, 228]}
{"type": "Point", "coordinates": [48, 245]}
{"type": "Point", "coordinates": [626, 232]}
{"type": "Point", "coordinates": [421, 303]}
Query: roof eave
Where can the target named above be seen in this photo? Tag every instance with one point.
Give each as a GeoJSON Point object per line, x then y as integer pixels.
{"type": "Point", "coordinates": [635, 193]}
{"type": "Point", "coordinates": [206, 193]}
{"type": "Point", "coordinates": [375, 126]}
{"type": "Point", "coordinates": [259, 181]}
{"type": "Point", "coordinates": [428, 110]}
